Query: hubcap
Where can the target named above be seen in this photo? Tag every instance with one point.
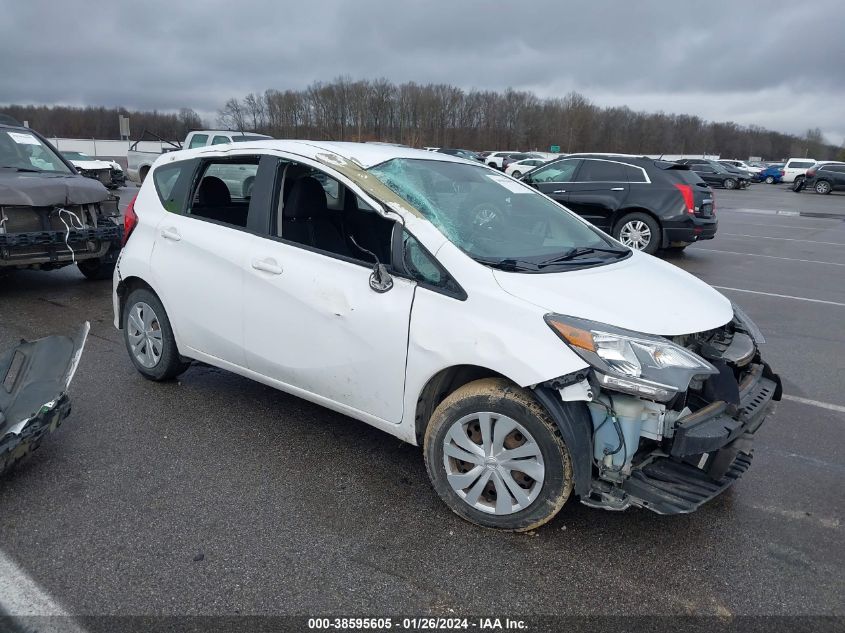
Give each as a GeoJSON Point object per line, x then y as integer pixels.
{"type": "Point", "coordinates": [635, 234]}
{"type": "Point", "coordinates": [144, 332]}
{"type": "Point", "coordinates": [493, 463]}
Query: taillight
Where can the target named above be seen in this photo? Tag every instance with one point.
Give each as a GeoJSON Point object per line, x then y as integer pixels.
{"type": "Point", "coordinates": [130, 220]}
{"type": "Point", "coordinates": [689, 197]}
{"type": "Point", "coordinates": [781, 173]}
{"type": "Point", "coordinates": [811, 172]}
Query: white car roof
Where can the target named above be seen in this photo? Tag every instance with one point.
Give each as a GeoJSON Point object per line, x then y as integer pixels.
{"type": "Point", "coordinates": [364, 154]}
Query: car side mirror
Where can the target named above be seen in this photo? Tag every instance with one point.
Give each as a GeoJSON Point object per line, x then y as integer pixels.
{"type": "Point", "coordinates": [380, 280]}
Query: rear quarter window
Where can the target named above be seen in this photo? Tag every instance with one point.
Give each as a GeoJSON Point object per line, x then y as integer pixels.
{"type": "Point", "coordinates": [800, 164]}
{"type": "Point", "coordinates": [165, 179]}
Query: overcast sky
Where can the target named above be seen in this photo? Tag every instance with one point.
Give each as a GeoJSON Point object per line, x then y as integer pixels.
{"type": "Point", "coordinates": [771, 63]}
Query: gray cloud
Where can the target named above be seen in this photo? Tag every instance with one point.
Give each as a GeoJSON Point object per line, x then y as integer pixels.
{"type": "Point", "coordinates": [770, 64]}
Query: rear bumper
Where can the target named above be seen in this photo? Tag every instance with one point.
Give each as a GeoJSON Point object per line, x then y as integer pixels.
{"type": "Point", "coordinates": [695, 230]}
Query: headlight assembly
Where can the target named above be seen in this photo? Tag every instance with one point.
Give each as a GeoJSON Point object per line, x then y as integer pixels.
{"type": "Point", "coordinates": [632, 362]}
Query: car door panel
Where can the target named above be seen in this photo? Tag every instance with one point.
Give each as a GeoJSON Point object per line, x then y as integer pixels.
{"type": "Point", "coordinates": [596, 202]}
{"type": "Point", "coordinates": [314, 323]}
{"type": "Point", "coordinates": [198, 271]}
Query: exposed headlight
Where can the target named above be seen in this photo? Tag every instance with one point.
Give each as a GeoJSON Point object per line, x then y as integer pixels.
{"type": "Point", "coordinates": [642, 364]}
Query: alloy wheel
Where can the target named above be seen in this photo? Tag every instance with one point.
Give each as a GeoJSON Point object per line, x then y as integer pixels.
{"type": "Point", "coordinates": [493, 463]}
{"type": "Point", "coordinates": [822, 187]}
{"type": "Point", "coordinates": [635, 234]}
{"type": "Point", "coordinates": [143, 330]}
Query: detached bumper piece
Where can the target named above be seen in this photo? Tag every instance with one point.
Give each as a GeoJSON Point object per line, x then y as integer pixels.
{"type": "Point", "coordinates": [34, 378]}
{"type": "Point", "coordinates": [16, 446]}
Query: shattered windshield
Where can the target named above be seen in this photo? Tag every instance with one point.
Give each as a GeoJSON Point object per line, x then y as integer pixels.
{"type": "Point", "coordinates": [494, 219]}
{"type": "Point", "coordinates": [24, 151]}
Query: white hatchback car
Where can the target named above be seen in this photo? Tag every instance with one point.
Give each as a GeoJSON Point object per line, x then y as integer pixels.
{"type": "Point", "coordinates": [454, 307]}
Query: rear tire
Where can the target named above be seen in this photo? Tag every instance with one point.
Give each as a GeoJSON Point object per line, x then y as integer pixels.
{"type": "Point", "coordinates": [516, 174]}
{"type": "Point", "coordinates": [149, 338]}
{"type": "Point", "coordinates": [729, 183]}
{"type": "Point", "coordinates": [476, 479]}
{"type": "Point", "coordinates": [823, 187]}
{"type": "Point", "coordinates": [798, 184]}
{"type": "Point", "coordinates": [638, 231]}
{"type": "Point", "coordinates": [770, 180]}
{"type": "Point", "coordinates": [95, 270]}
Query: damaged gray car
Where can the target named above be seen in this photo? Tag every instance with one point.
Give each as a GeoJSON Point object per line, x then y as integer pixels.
{"type": "Point", "coordinates": [34, 379]}
{"type": "Point", "coordinates": [50, 215]}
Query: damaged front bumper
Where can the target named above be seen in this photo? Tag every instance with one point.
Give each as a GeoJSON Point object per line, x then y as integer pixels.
{"type": "Point", "coordinates": [710, 450]}
{"type": "Point", "coordinates": [34, 378]}
{"type": "Point", "coordinates": [674, 453]}
{"type": "Point", "coordinates": [52, 237]}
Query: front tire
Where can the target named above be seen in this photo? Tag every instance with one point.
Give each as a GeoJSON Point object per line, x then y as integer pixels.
{"type": "Point", "coordinates": [638, 231]}
{"type": "Point", "coordinates": [516, 174]}
{"type": "Point", "coordinates": [149, 338]}
{"type": "Point", "coordinates": [496, 458]}
{"type": "Point", "coordinates": [729, 183]}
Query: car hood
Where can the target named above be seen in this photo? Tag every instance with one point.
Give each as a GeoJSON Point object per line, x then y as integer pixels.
{"type": "Point", "coordinates": [46, 190]}
{"type": "Point", "coordinates": [91, 164]}
{"type": "Point", "coordinates": [641, 293]}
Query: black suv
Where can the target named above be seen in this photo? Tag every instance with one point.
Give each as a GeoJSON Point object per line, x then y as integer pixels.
{"type": "Point", "coordinates": [824, 178]}
{"type": "Point", "coordinates": [50, 215]}
{"type": "Point", "coordinates": [644, 203]}
{"type": "Point", "coordinates": [714, 173]}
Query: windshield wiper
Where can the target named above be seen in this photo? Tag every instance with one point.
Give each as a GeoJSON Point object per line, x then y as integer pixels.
{"type": "Point", "coordinates": [582, 250]}
{"type": "Point", "coordinates": [26, 169]}
{"type": "Point", "coordinates": [508, 264]}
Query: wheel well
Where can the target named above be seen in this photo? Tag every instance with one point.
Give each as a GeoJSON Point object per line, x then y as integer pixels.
{"type": "Point", "coordinates": [124, 288]}
{"type": "Point", "coordinates": [440, 386]}
{"type": "Point", "coordinates": [142, 173]}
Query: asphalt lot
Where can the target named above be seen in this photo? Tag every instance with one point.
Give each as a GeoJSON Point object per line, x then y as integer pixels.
{"type": "Point", "coordinates": [297, 510]}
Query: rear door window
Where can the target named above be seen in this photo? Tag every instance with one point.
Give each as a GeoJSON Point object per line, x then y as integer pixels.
{"type": "Point", "coordinates": [601, 171]}
{"type": "Point", "coordinates": [220, 140]}
{"type": "Point", "coordinates": [223, 189]}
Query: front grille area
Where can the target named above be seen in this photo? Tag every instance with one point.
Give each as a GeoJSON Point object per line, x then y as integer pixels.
{"type": "Point", "coordinates": [15, 219]}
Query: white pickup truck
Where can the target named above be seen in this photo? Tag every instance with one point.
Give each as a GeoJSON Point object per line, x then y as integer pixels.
{"type": "Point", "coordinates": [139, 162]}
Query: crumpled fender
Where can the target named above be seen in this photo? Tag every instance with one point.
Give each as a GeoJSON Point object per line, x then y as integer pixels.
{"type": "Point", "coordinates": [34, 378]}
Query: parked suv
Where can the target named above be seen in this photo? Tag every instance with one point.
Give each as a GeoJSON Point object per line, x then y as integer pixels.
{"type": "Point", "coordinates": [645, 203]}
{"type": "Point", "coordinates": [571, 365]}
{"type": "Point", "coordinates": [825, 177]}
{"type": "Point", "coordinates": [50, 215]}
{"type": "Point", "coordinates": [795, 168]}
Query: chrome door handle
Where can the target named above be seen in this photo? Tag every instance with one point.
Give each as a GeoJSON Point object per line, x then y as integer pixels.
{"type": "Point", "coordinates": [267, 265]}
{"type": "Point", "coordinates": [618, 189]}
{"type": "Point", "coordinates": [559, 191]}
{"type": "Point", "coordinates": [171, 234]}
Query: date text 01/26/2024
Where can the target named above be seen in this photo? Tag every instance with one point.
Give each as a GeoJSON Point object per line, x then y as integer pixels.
{"type": "Point", "coordinates": [416, 624]}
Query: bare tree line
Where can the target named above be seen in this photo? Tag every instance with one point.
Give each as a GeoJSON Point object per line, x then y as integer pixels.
{"type": "Point", "coordinates": [101, 122]}
{"type": "Point", "coordinates": [445, 116]}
